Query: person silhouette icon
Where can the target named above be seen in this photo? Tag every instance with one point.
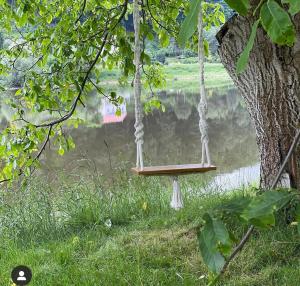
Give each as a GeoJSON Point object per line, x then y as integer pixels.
{"type": "Point", "coordinates": [21, 276]}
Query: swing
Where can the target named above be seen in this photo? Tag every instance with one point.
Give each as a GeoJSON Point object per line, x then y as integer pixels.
{"type": "Point", "coordinates": [173, 170]}
{"type": "Point", "coordinates": [170, 170]}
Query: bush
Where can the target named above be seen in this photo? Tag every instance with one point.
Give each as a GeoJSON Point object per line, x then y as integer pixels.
{"type": "Point", "coordinates": [160, 57]}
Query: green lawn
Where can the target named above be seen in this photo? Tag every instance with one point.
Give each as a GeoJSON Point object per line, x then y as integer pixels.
{"type": "Point", "coordinates": [182, 76]}
{"type": "Point", "coordinates": [186, 76]}
{"type": "Point", "coordinates": [61, 230]}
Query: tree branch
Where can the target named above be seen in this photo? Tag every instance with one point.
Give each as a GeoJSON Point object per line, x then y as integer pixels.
{"type": "Point", "coordinates": [77, 99]}
{"type": "Point", "coordinates": [44, 144]}
{"type": "Point", "coordinates": [155, 20]}
{"type": "Point", "coordinates": [82, 11]}
{"type": "Point", "coordinates": [51, 124]}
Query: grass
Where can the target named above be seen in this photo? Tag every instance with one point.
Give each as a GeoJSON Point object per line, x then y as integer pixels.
{"type": "Point", "coordinates": [185, 77]}
{"type": "Point", "coordinates": [91, 231]}
{"type": "Point", "coordinates": [182, 75]}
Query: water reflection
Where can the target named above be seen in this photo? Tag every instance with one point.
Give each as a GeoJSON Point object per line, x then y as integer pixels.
{"type": "Point", "coordinates": [239, 178]}
{"type": "Point", "coordinates": [109, 112]}
{"type": "Point", "coordinates": [171, 137]}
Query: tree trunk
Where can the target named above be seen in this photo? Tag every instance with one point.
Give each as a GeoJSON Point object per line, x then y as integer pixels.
{"type": "Point", "coordinates": [271, 88]}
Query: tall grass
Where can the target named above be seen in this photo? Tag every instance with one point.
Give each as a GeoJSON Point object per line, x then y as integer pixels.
{"type": "Point", "coordinates": [121, 231]}
{"type": "Point", "coordinates": [43, 211]}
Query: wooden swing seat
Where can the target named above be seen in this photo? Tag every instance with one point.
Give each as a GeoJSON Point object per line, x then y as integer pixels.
{"type": "Point", "coordinates": [173, 170]}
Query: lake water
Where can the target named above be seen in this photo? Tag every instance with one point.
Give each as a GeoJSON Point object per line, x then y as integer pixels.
{"type": "Point", "coordinates": [106, 143]}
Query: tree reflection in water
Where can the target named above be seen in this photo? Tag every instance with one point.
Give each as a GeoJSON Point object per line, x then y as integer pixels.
{"type": "Point", "coordinates": [171, 137]}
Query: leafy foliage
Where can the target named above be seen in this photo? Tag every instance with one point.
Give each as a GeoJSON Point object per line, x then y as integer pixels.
{"type": "Point", "coordinates": [67, 44]}
{"type": "Point", "coordinates": [294, 6]}
{"type": "Point", "coordinates": [277, 23]}
{"type": "Point", "coordinates": [275, 20]}
{"type": "Point", "coordinates": [215, 240]}
{"type": "Point", "coordinates": [241, 6]}
{"type": "Point", "coordinates": [190, 22]}
{"type": "Point", "coordinates": [260, 211]}
{"type": "Point", "coordinates": [213, 16]}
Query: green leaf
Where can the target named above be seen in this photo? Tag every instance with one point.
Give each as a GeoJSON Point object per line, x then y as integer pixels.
{"type": "Point", "coordinates": [277, 23]}
{"type": "Point", "coordinates": [240, 6]}
{"type": "Point", "coordinates": [236, 206]}
{"type": "Point", "coordinates": [49, 19]}
{"type": "Point", "coordinates": [222, 18]}
{"type": "Point", "coordinates": [61, 151]}
{"type": "Point", "coordinates": [164, 39]}
{"type": "Point", "coordinates": [189, 24]}
{"type": "Point", "coordinates": [214, 241]}
{"type": "Point", "coordinates": [244, 57]}
{"type": "Point", "coordinates": [260, 211]}
{"type": "Point", "coordinates": [206, 47]}
{"type": "Point", "coordinates": [118, 112]}
{"type": "Point", "coordinates": [70, 143]}
{"type": "Point", "coordinates": [294, 6]}
{"type": "Point", "coordinates": [18, 92]}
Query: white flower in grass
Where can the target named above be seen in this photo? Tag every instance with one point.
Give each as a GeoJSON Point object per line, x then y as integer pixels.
{"type": "Point", "coordinates": [108, 223]}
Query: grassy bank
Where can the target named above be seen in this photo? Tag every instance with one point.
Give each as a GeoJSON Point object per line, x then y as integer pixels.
{"type": "Point", "coordinates": [122, 232]}
{"type": "Point", "coordinates": [182, 75]}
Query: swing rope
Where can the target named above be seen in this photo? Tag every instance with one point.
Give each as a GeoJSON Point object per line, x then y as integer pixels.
{"type": "Point", "coordinates": [202, 106]}
{"type": "Point", "coordinates": [139, 127]}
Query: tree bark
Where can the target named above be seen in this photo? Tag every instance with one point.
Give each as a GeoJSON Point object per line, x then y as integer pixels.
{"type": "Point", "coordinates": [271, 88]}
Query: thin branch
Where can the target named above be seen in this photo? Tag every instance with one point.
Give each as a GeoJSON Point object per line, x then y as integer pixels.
{"type": "Point", "coordinates": [77, 99]}
{"type": "Point", "coordinates": [91, 37]}
{"type": "Point", "coordinates": [5, 181]}
{"type": "Point", "coordinates": [44, 144]}
{"type": "Point", "coordinates": [81, 102]}
{"type": "Point", "coordinates": [82, 11]}
{"type": "Point", "coordinates": [29, 68]}
{"type": "Point", "coordinates": [155, 20]}
{"type": "Point", "coordinates": [110, 162]}
{"type": "Point", "coordinates": [286, 160]}
{"type": "Point", "coordinates": [246, 237]}
{"type": "Point", "coordinates": [101, 92]}
{"type": "Point", "coordinates": [238, 248]}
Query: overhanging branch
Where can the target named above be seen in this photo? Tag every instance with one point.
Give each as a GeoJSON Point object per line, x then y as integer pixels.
{"type": "Point", "coordinates": [77, 99]}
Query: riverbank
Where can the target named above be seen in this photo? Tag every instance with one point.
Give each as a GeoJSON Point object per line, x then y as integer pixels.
{"type": "Point", "coordinates": [94, 231]}
{"type": "Point", "coordinates": [182, 75]}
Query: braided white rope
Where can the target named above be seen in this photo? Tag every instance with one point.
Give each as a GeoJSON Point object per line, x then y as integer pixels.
{"type": "Point", "coordinates": [202, 106]}
{"type": "Point", "coordinates": [177, 201]}
{"type": "Point", "coordinates": [139, 127]}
